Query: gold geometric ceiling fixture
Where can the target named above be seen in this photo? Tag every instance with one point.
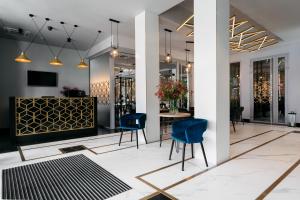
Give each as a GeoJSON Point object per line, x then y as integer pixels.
{"type": "Point", "coordinates": [245, 36]}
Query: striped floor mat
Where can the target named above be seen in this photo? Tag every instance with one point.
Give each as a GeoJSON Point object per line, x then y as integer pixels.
{"type": "Point", "coordinates": [69, 178]}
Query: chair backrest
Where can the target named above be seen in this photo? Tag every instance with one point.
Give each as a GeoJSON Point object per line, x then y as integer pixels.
{"type": "Point", "coordinates": [196, 129]}
{"type": "Point", "coordinates": [140, 117]}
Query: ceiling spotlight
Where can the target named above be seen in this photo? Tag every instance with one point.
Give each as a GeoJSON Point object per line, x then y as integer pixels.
{"type": "Point", "coordinates": [56, 62]}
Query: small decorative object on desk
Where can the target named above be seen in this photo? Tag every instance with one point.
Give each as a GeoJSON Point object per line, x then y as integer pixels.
{"type": "Point", "coordinates": [72, 92]}
{"type": "Point", "coordinates": [171, 91]}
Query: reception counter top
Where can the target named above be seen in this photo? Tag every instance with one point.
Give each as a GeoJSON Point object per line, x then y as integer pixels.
{"type": "Point", "coordinates": [42, 119]}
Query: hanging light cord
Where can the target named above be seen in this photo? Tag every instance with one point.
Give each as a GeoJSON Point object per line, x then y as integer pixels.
{"type": "Point", "coordinates": [111, 34]}
{"type": "Point", "coordinates": [186, 57]}
{"type": "Point", "coordinates": [65, 43]}
{"type": "Point", "coordinates": [37, 33]}
{"type": "Point", "coordinates": [117, 35]}
{"type": "Point", "coordinates": [166, 42]}
{"type": "Point", "coordinates": [69, 36]}
{"type": "Point", "coordinates": [170, 45]}
{"type": "Point", "coordinates": [92, 44]}
{"type": "Point", "coordinates": [42, 35]}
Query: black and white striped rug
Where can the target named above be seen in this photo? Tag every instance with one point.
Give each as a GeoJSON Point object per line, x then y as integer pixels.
{"type": "Point", "coordinates": [69, 178]}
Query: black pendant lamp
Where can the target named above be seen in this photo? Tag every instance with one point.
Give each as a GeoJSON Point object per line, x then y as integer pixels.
{"type": "Point", "coordinates": [114, 52]}
{"type": "Point", "coordinates": [55, 61]}
{"type": "Point", "coordinates": [82, 64]}
{"type": "Point", "coordinates": [187, 56]}
{"type": "Point", "coordinates": [23, 58]}
{"type": "Point", "coordinates": [168, 54]}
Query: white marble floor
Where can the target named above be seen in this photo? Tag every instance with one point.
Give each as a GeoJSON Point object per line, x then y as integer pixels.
{"type": "Point", "coordinates": [260, 155]}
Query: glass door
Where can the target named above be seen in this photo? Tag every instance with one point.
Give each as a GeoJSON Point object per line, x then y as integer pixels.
{"type": "Point", "coordinates": [262, 93]}
{"type": "Point", "coordinates": [269, 86]}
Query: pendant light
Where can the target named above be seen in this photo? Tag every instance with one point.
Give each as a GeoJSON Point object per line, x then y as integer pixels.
{"type": "Point", "coordinates": [82, 64]}
{"type": "Point", "coordinates": [187, 55]}
{"type": "Point", "coordinates": [23, 58]}
{"type": "Point", "coordinates": [168, 56]}
{"type": "Point", "coordinates": [56, 62]}
{"type": "Point", "coordinates": [114, 53]}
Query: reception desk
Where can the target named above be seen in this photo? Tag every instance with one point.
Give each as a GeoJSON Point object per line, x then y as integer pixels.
{"type": "Point", "coordinates": [34, 120]}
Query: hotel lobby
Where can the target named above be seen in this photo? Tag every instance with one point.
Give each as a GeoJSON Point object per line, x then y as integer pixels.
{"type": "Point", "coordinates": [149, 99]}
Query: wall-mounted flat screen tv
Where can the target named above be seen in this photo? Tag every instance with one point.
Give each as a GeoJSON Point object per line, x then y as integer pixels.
{"type": "Point", "coordinates": [43, 79]}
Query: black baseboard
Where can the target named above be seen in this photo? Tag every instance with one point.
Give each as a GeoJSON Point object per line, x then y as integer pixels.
{"type": "Point", "coordinates": [51, 137]}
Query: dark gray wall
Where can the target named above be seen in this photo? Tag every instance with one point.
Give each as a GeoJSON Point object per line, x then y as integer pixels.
{"type": "Point", "coordinates": [13, 76]}
{"type": "Point", "coordinates": [99, 72]}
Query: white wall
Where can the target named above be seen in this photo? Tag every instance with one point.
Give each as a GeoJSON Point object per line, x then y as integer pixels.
{"type": "Point", "coordinates": [293, 74]}
{"type": "Point", "coordinates": [13, 75]}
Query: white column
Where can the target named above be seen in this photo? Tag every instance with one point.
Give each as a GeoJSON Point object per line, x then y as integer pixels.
{"type": "Point", "coordinates": [211, 74]}
{"type": "Point", "coordinates": [147, 70]}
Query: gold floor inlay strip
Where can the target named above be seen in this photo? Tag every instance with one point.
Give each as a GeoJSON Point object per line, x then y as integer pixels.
{"type": "Point", "coordinates": [281, 178]}
{"type": "Point", "coordinates": [164, 167]}
{"type": "Point", "coordinates": [242, 140]}
{"type": "Point", "coordinates": [52, 145]}
{"type": "Point", "coordinates": [156, 188]}
{"type": "Point", "coordinates": [156, 170]}
{"type": "Point", "coordinates": [199, 173]}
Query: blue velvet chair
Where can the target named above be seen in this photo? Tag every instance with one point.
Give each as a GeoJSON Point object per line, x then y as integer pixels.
{"type": "Point", "coordinates": [133, 122]}
{"type": "Point", "coordinates": [189, 131]}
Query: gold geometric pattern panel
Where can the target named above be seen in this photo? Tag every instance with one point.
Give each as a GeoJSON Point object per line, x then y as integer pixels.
{"type": "Point", "coordinates": [45, 115]}
{"type": "Point", "coordinates": [101, 91]}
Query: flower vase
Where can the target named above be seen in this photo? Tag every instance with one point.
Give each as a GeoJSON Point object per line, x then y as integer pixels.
{"type": "Point", "coordinates": [173, 107]}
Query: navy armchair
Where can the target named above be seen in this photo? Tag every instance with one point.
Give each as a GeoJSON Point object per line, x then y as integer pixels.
{"type": "Point", "coordinates": [133, 122]}
{"type": "Point", "coordinates": [189, 131]}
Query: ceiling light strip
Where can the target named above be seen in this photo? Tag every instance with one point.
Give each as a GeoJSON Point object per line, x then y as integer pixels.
{"type": "Point", "coordinates": [186, 21]}
{"type": "Point", "coordinates": [262, 43]}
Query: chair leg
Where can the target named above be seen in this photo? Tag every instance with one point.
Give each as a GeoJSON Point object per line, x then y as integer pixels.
{"type": "Point", "coordinates": [183, 156]}
{"type": "Point", "coordinates": [172, 145]}
{"type": "Point", "coordinates": [160, 140]}
{"type": "Point", "coordinates": [204, 155]}
{"type": "Point", "coordinates": [233, 125]}
{"type": "Point", "coordinates": [145, 136]}
{"type": "Point", "coordinates": [131, 136]}
{"type": "Point", "coordinates": [137, 139]}
{"type": "Point", "coordinates": [192, 147]}
{"type": "Point", "coordinates": [121, 137]}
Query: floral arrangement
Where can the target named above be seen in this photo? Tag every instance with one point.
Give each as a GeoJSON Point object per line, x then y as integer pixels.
{"type": "Point", "coordinates": [171, 90]}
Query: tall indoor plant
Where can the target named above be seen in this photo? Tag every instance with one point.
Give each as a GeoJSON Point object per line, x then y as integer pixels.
{"type": "Point", "coordinates": [171, 91]}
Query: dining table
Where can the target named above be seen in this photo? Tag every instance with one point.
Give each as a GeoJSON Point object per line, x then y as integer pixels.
{"type": "Point", "coordinates": [168, 118]}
